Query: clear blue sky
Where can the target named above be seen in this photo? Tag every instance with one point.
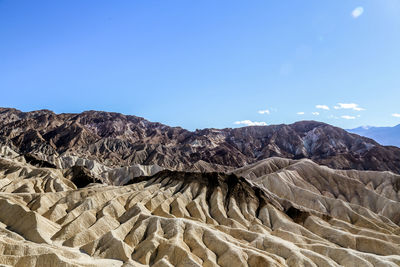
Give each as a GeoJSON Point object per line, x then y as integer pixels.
{"type": "Point", "coordinates": [200, 64]}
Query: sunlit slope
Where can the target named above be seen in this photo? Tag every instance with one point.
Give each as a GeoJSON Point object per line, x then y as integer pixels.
{"type": "Point", "coordinates": [285, 213]}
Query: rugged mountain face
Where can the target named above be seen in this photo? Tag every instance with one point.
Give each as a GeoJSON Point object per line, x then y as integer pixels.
{"type": "Point", "coordinates": [276, 212]}
{"type": "Point", "coordinates": [115, 139]}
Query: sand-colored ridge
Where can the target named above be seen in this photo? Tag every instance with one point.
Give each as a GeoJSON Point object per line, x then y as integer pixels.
{"type": "Point", "coordinates": [276, 212]}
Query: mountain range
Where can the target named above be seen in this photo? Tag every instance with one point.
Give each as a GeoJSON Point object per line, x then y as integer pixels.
{"type": "Point", "coordinates": [107, 189]}
{"type": "Point", "coordinates": [115, 139]}
{"type": "Point", "coordinates": [388, 136]}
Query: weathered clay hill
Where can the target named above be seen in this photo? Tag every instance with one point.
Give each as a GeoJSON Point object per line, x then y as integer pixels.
{"type": "Point", "coordinates": [105, 189]}
{"type": "Point", "coordinates": [114, 139]}
{"type": "Point", "coordinates": [276, 212]}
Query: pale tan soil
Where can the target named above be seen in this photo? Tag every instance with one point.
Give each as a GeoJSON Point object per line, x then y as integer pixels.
{"type": "Point", "coordinates": [276, 212]}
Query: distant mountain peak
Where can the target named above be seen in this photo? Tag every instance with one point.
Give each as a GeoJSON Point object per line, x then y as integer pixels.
{"type": "Point", "coordinates": [389, 136]}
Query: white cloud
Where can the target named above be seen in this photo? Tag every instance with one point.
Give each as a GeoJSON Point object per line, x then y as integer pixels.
{"type": "Point", "coordinates": [397, 115]}
{"type": "Point", "coordinates": [352, 106]}
{"type": "Point", "coordinates": [251, 123]}
{"type": "Point", "coordinates": [315, 113]}
{"type": "Point", "coordinates": [358, 11]}
{"type": "Point", "coordinates": [322, 107]}
{"type": "Point", "coordinates": [347, 117]}
{"type": "Point", "coordinates": [265, 111]}
{"type": "Point", "coordinates": [300, 113]}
